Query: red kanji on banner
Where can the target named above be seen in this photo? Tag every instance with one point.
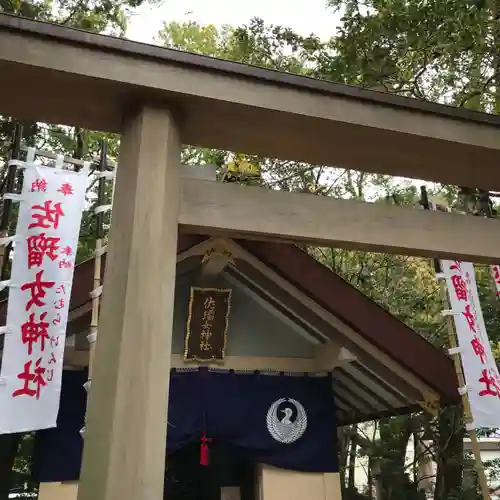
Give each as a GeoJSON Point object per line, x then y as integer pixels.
{"type": "Point", "coordinates": [32, 332]}
{"type": "Point", "coordinates": [35, 378]}
{"type": "Point", "coordinates": [52, 359]}
{"type": "Point", "coordinates": [37, 290]}
{"type": "Point", "coordinates": [478, 347]}
{"type": "Point", "coordinates": [496, 273]}
{"type": "Point", "coordinates": [489, 381]}
{"type": "Point", "coordinates": [61, 289]}
{"type": "Point", "coordinates": [59, 303]}
{"type": "Point", "coordinates": [49, 216]}
{"type": "Point", "coordinates": [456, 266]}
{"type": "Point", "coordinates": [39, 246]}
{"type": "Point", "coordinates": [50, 375]}
{"type": "Point", "coordinates": [65, 264]}
{"type": "Point", "coordinates": [57, 320]}
{"type": "Point", "coordinates": [39, 186]}
{"type": "Point", "coordinates": [67, 250]}
{"type": "Point", "coordinates": [66, 189]}
{"type": "Point", "coordinates": [54, 341]}
{"type": "Point", "coordinates": [469, 317]}
{"type": "Point", "coordinates": [459, 285]}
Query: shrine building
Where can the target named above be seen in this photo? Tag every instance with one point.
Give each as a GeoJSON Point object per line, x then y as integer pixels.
{"type": "Point", "coordinates": [288, 338]}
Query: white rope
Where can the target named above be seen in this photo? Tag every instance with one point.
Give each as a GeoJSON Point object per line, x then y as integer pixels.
{"type": "Point", "coordinates": [29, 163]}
{"type": "Point", "coordinates": [59, 161]}
{"type": "Point", "coordinates": [4, 284]}
{"type": "Point", "coordinates": [13, 196]}
{"type": "Point", "coordinates": [92, 337]}
{"type": "Point", "coordinates": [30, 155]}
{"type": "Point", "coordinates": [100, 251]}
{"type": "Point", "coordinates": [5, 330]}
{"type": "Point", "coordinates": [96, 292]}
{"type": "Point", "coordinates": [5, 241]}
{"type": "Point", "coordinates": [22, 164]}
{"type": "Point", "coordinates": [454, 350]}
{"type": "Point", "coordinates": [106, 175]}
{"type": "Point", "coordinates": [449, 312]}
{"type": "Point", "coordinates": [102, 208]}
{"type": "Point", "coordinates": [85, 169]}
{"type": "Point", "coordinates": [462, 390]}
{"type": "Point", "coordinates": [19, 164]}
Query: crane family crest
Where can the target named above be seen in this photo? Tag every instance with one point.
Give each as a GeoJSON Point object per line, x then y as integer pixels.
{"type": "Point", "coordinates": [285, 430]}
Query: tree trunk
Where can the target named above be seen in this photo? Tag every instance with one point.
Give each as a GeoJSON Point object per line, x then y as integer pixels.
{"type": "Point", "coordinates": [352, 458]}
{"type": "Point", "coordinates": [369, 479]}
{"type": "Point", "coordinates": [344, 442]}
{"type": "Point", "coordinates": [424, 466]}
{"type": "Point", "coordinates": [449, 453]}
{"type": "Point", "coordinates": [9, 444]}
{"type": "Point", "coordinates": [393, 480]}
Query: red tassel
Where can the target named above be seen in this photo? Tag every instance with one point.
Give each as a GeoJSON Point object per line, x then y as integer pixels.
{"type": "Point", "coordinates": [204, 458]}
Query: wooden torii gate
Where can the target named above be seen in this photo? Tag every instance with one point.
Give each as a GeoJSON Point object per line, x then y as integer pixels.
{"type": "Point", "coordinates": [159, 99]}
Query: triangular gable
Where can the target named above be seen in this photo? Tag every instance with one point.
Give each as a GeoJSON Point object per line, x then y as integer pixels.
{"type": "Point", "coordinates": [363, 390]}
{"type": "Point", "coordinates": [372, 321]}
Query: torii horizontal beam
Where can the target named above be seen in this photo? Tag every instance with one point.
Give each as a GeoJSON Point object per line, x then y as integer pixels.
{"type": "Point", "coordinates": [213, 208]}
{"type": "Point", "coordinates": [94, 81]}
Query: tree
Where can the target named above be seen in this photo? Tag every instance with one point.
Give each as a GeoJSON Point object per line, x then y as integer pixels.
{"type": "Point", "coordinates": [257, 44]}
{"type": "Point", "coordinates": [109, 16]}
{"type": "Point", "coordinates": [439, 51]}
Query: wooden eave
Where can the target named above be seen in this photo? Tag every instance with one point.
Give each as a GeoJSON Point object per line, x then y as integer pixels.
{"type": "Point", "coordinates": [94, 81]}
{"type": "Point", "coordinates": [364, 389]}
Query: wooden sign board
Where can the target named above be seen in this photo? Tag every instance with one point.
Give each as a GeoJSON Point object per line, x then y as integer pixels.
{"type": "Point", "coordinates": [207, 324]}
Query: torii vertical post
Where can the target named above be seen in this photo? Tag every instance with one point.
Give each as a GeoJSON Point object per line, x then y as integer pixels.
{"type": "Point", "coordinates": [125, 436]}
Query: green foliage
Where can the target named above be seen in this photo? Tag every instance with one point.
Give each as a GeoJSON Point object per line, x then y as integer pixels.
{"type": "Point", "coordinates": [108, 16]}
{"type": "Point", "coordinates": [444, 51]}
{"type": "Point", "coordinates": [23, 482]}
{"type": "Point", "coordinates": [257, 44]}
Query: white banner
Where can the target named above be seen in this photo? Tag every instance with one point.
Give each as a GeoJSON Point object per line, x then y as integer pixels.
{"type": "Point", "coordinates": [45, 244]}
{"type": "Point", "coordinates": [481, 373]}
{"type": "Point", "coordinates": [495, 273]}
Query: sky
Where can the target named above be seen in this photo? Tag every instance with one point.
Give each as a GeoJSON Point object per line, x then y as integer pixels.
{"type": "Point", "coordinates": [313, 17]}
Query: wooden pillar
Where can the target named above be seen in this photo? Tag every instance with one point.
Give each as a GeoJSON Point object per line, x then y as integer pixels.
{"type": "Point", "coordinates": [126, 427]}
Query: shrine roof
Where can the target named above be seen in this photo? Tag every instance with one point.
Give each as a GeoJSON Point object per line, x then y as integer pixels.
{"type": "Point", "coordinates": [325, 305]}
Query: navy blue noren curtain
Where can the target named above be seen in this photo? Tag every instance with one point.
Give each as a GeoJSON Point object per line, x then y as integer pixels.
{"type": "Point", "coordinates": [285, 421]}
{"type": "Point", "coordinates": [238, 411]}
{"type": "Point", "coordinates": [58, 451]}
